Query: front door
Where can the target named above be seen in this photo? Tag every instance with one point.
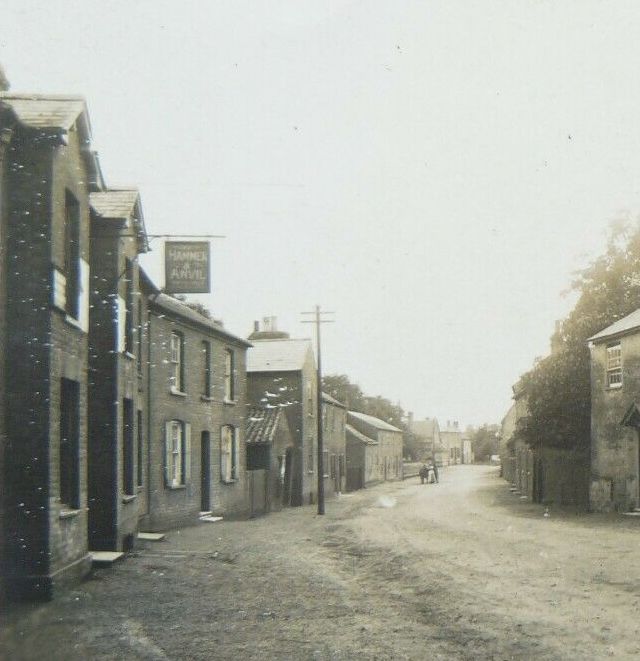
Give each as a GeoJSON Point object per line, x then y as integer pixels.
{"type": "Point", "coordinates": [205, 472]}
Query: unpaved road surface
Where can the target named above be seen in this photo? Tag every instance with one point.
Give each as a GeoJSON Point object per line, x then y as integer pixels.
{"type": "Point", "coordinates": [459, 570]}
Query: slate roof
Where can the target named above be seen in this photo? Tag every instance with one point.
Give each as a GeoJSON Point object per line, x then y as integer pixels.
{"type": "Point", "coordinates": [262, 424]}
{"type": "Point", "coordinates": [625, 325]}
{"type": "Point", "coordinates": [331, 400]}
{"type": "Point", "coordinates": [44, 111]}
{"type": "Point", "coordinates": [278, 355]}
{"type": "Point", "coordinates": [359, 436]}
{"type": "Point", "coordinates": [374, 422]}
{"type": "Point", "coordinates": [179, 309]}
{"type": "Point", "coordinates": [115, 203]}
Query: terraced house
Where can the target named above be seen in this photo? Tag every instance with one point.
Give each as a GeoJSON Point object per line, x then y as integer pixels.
{"type": "Point", "coordinates": [48, 173]}
{"type": "Point", "coordinates": [196, 416]}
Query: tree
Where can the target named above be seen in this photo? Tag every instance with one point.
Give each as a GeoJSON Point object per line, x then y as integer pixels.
{"type": "Point", "coordinates": [340, 387]}
{"type": "Point", "coordinates": [558, 388]}
{"type": "Point", "coordinates": [484, 442]}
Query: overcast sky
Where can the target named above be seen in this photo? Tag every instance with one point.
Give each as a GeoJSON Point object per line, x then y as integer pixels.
{"type": "Point", "coordinates": [432, 172]}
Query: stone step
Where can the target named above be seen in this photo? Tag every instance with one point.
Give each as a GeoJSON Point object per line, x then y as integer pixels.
{"type": "Point", "coordinates": [105, 558]}
{"type": "Point", "coordinates": [151, 536]}
{"type": "Point", "coordinates": [206, 513]}
{"type": "Point", "coordinates": [210, 519]}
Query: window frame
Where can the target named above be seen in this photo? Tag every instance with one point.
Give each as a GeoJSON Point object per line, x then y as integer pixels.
{"type": "Point", "coordinates": [206, 368]}
{"type": "Point", "coordinates": [614, 377]}
{"type": "Point", "coordinates": [71, 260]}
{"type": "Point", "coordinates": [229, 376]}
{"type": "Point", "coordinates": [176, 349]}
{"type": "Point", "coordinates": [229, 454]}
{"type": "Point", "coordinates": [177, 452]}
{"type": "Point", "coordinates": [69, 448]}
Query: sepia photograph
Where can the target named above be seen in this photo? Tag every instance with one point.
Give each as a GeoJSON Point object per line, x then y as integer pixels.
{"type": "Point", "coordinates": [319, 330]}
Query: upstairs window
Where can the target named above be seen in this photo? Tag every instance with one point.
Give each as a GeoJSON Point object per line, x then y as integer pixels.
{"type": "Point", "coordinates": [229, 377]}
{"type": "Point", "coordinates": [206, 369]}
{"type": "Point", "coordinates": [177, 362]}
{"type": "Point", "coordinates": [614, 365]}
{"type": "Point", "coordinates": [128, 298]}
{"type": "Point", "coordinates": [72, 255]}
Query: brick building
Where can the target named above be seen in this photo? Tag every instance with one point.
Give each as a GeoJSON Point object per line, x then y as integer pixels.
{"type": "Point", "coordinates": [374, 450]}
{"type": "Point", "coordinates": [615, 417]}
{"type": "Point", "coordinates": [281, 372]}
{"type": "Point", "coordinates": [49, 171]}
{"type": "Point", "coordinates": [196, 416]}
{"type": "Point", "coordinates": [334, 440]}
{"type": "Point", "coordinates": [117, 397]}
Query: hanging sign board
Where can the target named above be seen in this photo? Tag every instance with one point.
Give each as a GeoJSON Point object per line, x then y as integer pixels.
{"type": "Point", "coordinates": [187, 267]}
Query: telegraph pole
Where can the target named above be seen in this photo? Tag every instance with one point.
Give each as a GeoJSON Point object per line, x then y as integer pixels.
{"type": "Point", "coordinates": [318, 321]}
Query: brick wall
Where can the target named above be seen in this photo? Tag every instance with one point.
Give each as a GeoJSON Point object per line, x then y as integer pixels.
{"type": "Point", "coordinates": [173, 507]}
{"type": "Point", "coordinates": [113, 514]}
{"type": "Point", "coordinates": [47, 543]}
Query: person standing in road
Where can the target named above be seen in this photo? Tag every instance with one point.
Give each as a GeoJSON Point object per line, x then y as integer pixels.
{"type": "Point", "coordinates": [423, 473]}
{"type": "Point", "coordinates": [435, 471]}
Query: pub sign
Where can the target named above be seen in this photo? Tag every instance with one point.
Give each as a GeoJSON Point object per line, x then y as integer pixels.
{"type": "Point", "coordinates": [187, 267]}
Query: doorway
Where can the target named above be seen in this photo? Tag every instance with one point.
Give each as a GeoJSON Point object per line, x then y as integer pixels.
{"type": "Point", "coordinates": [205, 472]}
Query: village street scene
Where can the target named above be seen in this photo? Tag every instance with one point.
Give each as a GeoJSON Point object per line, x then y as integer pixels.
{"type": "Point", "coordinates": [319, 330]}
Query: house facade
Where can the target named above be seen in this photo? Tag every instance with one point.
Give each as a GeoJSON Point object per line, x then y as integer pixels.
{"type": "Point", "coordinates": [196, 416]}
{"type": "Point", "coordinates": [281, 372]}
{"type": "Point", "coordinates": [334, 420]}
{"type": "Point", "coordinates": [48, 173]}
{"type": "Point", "coordinates": [615, 418]}
{"type": "Point", "coordinates": [117, 393]}
{"type": "Point", "coordinates": [451, 437]}
{"type": "Point", "coordinates": [433, 447]}
{"type": "Point", "coordinates": [375, 443]}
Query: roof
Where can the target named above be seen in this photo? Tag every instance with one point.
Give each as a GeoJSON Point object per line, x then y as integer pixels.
{"type": "Point", "coordinates": [115, 203]}
{"type": "Point", "coordinates": [179, 309]}
{"type": "Point", "coordinates": [262, 424]}
{"type": "Point", "coordinates": [374, 422]}
{"type": "Point", "coordinates": [621, 327]}
{"type": "Point", "coordinates": [424, 427]}
{"type": "Point", "coordinates": [278, 355]}
{"type": "Point", "coordinates": [121, 204]}
{"type": "Point", "coordinates": [331, 400]}
{"type": "Point", "coordinates": [45, 111]}
{"type": "Point", "coordinates": [359, 436]}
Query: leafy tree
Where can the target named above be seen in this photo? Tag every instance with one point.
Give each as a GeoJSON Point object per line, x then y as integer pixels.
{"type": "Point", "coordinates": [484, 442]}
{"type": "Point", "coordinates": [558, 388]}
{"type": "Point", "coordinates": [340, 387]}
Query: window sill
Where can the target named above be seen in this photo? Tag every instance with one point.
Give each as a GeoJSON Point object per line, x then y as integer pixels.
{"type": "Point", "coordinates": [178, 393]}
{"type": "Point", "coordinates": [176, 487]}
{"type": "Point", "coordinates": [614, 386]}
{"type": "Point", "coordinates": [129, 498]}
{"type": "Point", "coordinates": [233, 481]}
{"type": "Point", "coordinates": [129, 355]}
{"type": "Point", "coordinates": [69, 514]}
{"type": "Point", "coordinates": [230, 402]}
{"type": "Point", "coordinates": [206, 398]}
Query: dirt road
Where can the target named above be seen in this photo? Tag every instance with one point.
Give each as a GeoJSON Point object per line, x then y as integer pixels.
{"type": "Point", "coordinates": [458, 570]}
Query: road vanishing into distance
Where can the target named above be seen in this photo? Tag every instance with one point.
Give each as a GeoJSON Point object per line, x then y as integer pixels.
{"type": "Point", "coordinates": [463, 569]}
